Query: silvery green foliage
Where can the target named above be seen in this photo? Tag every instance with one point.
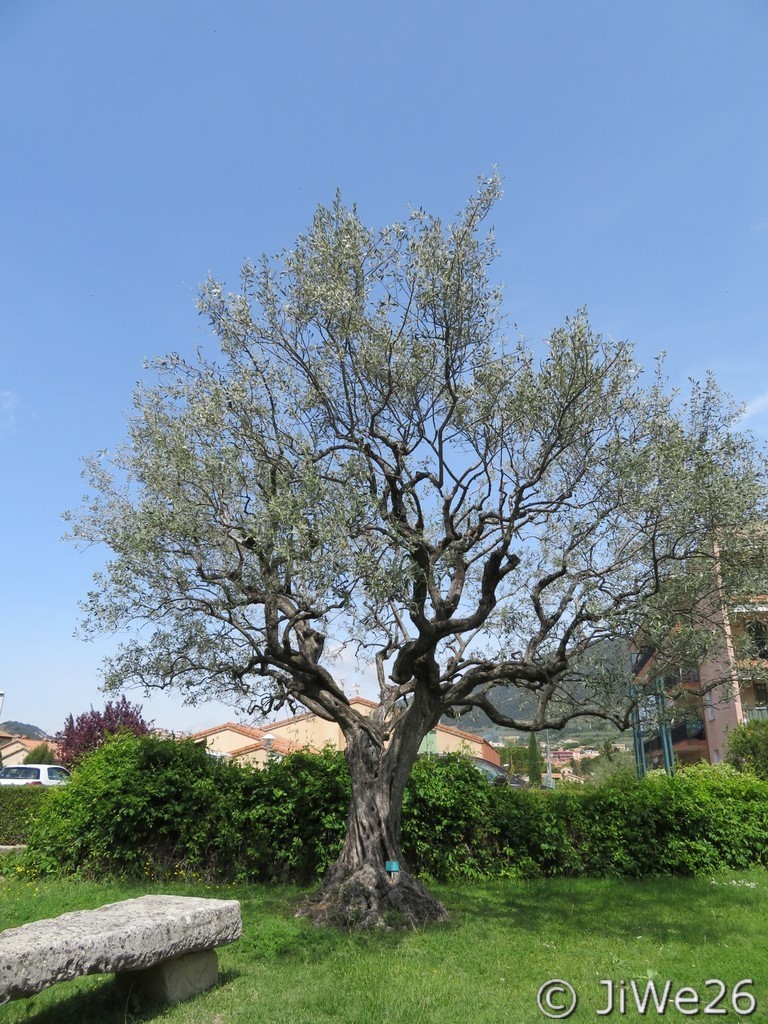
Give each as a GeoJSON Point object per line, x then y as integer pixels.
{"type": "Point", "coordinates": [371, 463]}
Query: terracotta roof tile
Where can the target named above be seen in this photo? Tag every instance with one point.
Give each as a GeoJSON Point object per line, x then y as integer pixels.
{"type": "Point", "coordinates": [277, 746]}
{"type": "Point", "coordinates": [246, 730]}
{"type": "Point", "coordinates": [459, 732]}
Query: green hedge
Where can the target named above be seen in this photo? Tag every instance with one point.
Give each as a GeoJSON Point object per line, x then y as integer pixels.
{"type": "Point", "coordinates": [142, 806]}
{"type": "Point", "coordinates": [20, 806]}
{"type": "Point", "coordinates": [704, 819]}
{"type": "Point", "coordinates": [150, 807]}
{"type": "Point", "coordinates": [138, 807]}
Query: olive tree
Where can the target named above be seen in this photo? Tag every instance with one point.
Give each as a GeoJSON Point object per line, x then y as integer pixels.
{"type": "Point", "coordinates": [367, 464]}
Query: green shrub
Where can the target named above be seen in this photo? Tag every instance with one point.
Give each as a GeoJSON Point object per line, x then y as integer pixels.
{"type": "Point", "coordinates": [748, 747]}
{"type": "Point", "coordinates": [292, 816]}
{"type": "Point", "coordinates": [141, 806]}
{"type": "Point", "coordinates": [706, 818]}
{"type": "Point", "coordinates": [447, 831]}
{"type": "Point", "coordinates": [19, 808]}
{"type": "Point", "coordinates": [150, 807]}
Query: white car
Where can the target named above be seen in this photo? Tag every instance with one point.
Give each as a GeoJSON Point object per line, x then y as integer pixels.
{"type": "Point", "coordinates": [33, 775]}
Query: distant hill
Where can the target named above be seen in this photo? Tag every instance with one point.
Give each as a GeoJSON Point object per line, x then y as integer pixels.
{"type": "Point", "coordinates": [22, 729]}
{"type": "Point", "coordinates": [609, 661]}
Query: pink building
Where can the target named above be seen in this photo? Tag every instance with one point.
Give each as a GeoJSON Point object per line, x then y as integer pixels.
{"type": "Point", "coordinates": [715, 697]}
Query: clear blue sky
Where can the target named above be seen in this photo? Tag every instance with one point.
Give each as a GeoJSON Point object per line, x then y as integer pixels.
{"type": "Point", "coordinates": [146, 143]}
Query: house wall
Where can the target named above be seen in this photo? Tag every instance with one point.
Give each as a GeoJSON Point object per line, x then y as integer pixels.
{"type": "Point", "coordinates": [723, 710]}
{"type": "Point", "coordinates": [720, 717]}
{"type": "Point", "coordinates": [225, 740]}
{"type": "Point", "coordinates": [16, 751]}
{"type": "Point", "coordinates": [308, 731]}
{"type": "Point", "coordinates": [449, 743]}
{"type": "Point", "coordinates": [257, 758]}
{"type": "Point", "coordinates": [444, 740]}
{"type": "Point", "coordinates": [491, 753]}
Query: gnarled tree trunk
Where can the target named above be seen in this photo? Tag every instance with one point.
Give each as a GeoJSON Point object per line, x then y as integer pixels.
{"type": "Point", "coordinates": [358, 892]}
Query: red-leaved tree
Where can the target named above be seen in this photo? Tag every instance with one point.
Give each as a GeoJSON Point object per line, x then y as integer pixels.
{"type": "Point", "coordinates": [83, 734]}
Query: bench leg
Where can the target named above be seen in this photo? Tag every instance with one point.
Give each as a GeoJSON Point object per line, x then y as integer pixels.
{"type": "Point", "coordinates": [174, 980]}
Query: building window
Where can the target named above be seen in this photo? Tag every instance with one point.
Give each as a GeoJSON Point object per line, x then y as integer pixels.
{"type": "Point", "coordinates": [761, 695]}
{"type": "Point", "coordinates": [757, 631]}
{"type": "Point", "coordinates": [689, 675]}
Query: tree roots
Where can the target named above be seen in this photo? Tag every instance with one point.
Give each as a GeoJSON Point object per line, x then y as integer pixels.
{"type": "Point", "coordinates": [370, 899]}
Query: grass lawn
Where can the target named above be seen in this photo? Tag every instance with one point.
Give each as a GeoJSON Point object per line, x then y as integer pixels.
{"type": "Point", "coordinates": [503, 942]}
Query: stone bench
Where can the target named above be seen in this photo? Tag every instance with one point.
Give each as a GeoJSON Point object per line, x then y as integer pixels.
{"type": "Point", "coordinates": [163, 947]}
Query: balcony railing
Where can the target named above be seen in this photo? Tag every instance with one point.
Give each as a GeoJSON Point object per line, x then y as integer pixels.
{"type": "Point", "coordinates": [756, 714]}
{"type": "Point", "coordinates": [681, 675]}
{"type": "Point", "coordinates": [691, 729]}
{"type": "Point", "coordinates": [687, 674]}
